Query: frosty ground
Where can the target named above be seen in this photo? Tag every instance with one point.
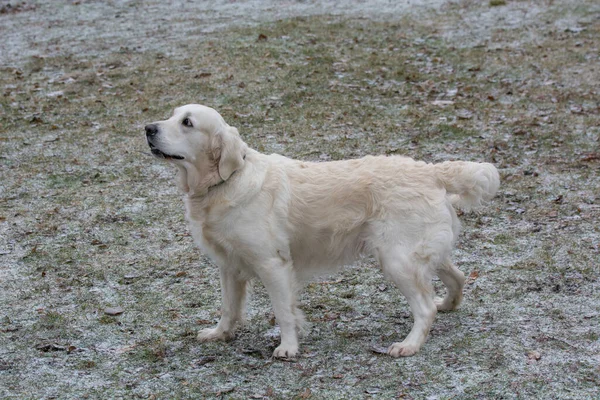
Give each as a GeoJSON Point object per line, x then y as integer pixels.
{"type": "Point", "coordinates": [89, 221]}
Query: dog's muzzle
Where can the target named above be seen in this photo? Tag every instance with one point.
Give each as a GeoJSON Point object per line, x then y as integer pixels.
{"type": "Point", "coordinates": [151, 132]}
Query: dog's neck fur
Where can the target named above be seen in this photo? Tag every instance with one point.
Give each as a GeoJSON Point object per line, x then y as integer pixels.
{"type": "Point", "coordinates": [194, 186]}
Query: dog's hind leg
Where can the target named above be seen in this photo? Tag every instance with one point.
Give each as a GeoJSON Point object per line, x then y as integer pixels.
{"type": "Point", "coordinates": [454, 280]}
{"type": "Point", "coordinates": [411, 274]}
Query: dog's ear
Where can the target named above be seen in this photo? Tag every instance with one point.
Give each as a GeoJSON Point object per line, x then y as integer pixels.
{"type": "Point", "coordinates": [229, 150]}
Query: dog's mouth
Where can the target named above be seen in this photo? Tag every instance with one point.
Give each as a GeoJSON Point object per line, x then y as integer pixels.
{"type": "Point", "coordinates": [160, 154]}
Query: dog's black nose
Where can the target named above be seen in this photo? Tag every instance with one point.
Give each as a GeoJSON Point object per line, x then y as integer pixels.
{"type": "Point", "coordinates": [151, 130]}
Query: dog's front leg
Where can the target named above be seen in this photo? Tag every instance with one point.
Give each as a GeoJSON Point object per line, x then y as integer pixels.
{"type": "Point", "coordinates": [233, 294]}
{"type": "Point", "coordinates": [279, 280]}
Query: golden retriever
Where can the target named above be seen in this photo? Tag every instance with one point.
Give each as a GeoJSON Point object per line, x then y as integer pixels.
{"type": "Point", "coordinates": [284, 221]}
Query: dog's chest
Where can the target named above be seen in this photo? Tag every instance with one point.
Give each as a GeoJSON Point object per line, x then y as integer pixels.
{"type": "Point", "coordinates": [204, 234]}
{"type": "Point", "coordinates": [198, 234]}
{"type": "Point", "coordinates": [201, 235]}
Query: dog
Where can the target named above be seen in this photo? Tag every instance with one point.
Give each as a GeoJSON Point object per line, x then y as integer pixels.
{"type": "Point", "coordinates": [286, 221]}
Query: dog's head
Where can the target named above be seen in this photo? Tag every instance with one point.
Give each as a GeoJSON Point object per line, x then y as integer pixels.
{"type": "Point", "coordinates": [200, 143]}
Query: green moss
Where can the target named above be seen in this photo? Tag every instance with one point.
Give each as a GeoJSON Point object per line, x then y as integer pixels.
{"type": "Point", "coordinates": [52, 320]}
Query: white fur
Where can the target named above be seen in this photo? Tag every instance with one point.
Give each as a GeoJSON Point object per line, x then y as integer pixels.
{"type": "Point", "coordinates": [284, 221]}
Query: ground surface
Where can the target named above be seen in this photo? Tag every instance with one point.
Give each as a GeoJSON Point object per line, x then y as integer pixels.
{"type": "Point", "coordinates": [88, 221]}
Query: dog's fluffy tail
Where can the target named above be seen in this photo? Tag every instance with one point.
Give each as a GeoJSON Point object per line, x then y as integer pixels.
{"type": "Point", "coordinates": [468, 183]}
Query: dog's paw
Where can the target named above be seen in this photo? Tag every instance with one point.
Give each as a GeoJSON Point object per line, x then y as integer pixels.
{"type": "Point", "coordinates": [210, 334]}
{"type": "Point", "coordinates": [445, 304]}
{"type": "Point", "coordinates": [441, 305]}
{"type": "Point", "coordinates": [402, 349]}
{"type": "Point", "coordinates": [285, 352]}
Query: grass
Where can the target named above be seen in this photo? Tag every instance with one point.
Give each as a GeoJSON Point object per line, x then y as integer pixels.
{"type": "Point", "coordinates": [90, 222]}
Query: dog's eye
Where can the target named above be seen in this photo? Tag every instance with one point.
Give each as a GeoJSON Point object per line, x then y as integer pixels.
{"type": "Point", "coordinates": [187, 122]}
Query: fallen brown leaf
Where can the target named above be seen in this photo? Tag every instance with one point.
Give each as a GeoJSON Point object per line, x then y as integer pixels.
{"type": "Point", "coordinates": [472, 277]}
{"type": "Point", "coordinates": [305, 394]}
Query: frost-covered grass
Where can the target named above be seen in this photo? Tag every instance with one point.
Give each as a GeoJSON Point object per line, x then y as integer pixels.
{"type": "Point", "coordinates": [87, 221]}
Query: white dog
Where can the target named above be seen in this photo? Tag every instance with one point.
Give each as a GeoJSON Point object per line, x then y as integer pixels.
{"type": "Point", "coordinates": [283, 221]}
